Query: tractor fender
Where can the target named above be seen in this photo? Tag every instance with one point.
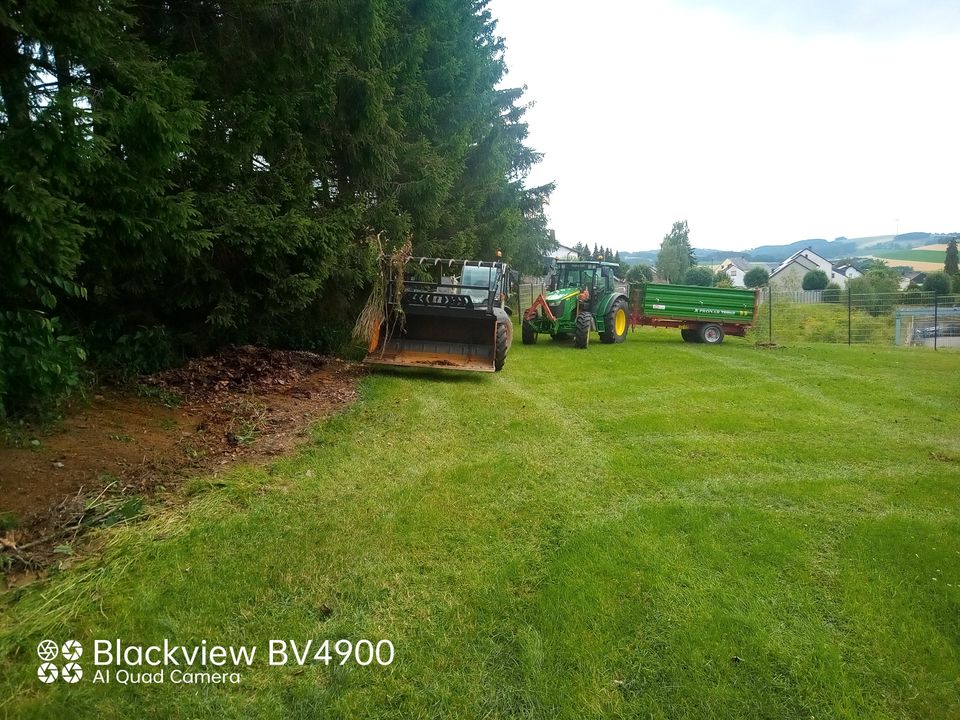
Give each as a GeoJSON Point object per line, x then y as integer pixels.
{"type": "Point", "coordinates": [606, 304]}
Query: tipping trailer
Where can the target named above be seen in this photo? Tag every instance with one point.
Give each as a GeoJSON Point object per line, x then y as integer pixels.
{"type": "Point", "coordinates": [703, 314]}
{"type": "Point", "coordinates": [446, 314]}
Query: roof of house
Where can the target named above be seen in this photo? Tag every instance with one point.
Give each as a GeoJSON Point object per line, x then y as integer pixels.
{"type": "Point", "coordinates": [802, 260]}
{"type": "Point", "coordinates": [739, 262]}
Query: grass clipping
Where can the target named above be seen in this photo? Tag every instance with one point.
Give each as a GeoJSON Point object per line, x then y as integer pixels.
{"type": "Point", "coordinates": [389, 279]}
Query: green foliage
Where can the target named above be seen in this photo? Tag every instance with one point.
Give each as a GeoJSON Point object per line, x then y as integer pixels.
{"type": "Point", "coordinates": [39, 363]}
{"type": "Point", "coordinates": [937, 282]}
{"type": "Point", "coordinates": [831, 293]}
{"type": "Point", "coordinates": [639, 274]}
{"type": "Point", "coordinates": [956, 284]}
{"type": "Point", "coordinates": [815, 280]}
{"type": "Point", "coordinates": [756, 277]}
{"type": "Point", "coordinates": [698, 275]}
{"type": "Point", "coordinates": [722, 280]}
{"type": "Point", "coordinates": [676, 254]}
{"type": "Point", "coordinates": [197, 177]}
{"type": "Point", "coordinates": [950, 265]}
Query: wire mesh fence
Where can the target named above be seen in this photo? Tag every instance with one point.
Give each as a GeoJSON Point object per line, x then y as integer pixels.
{"type": "Point", "coordinates": [908, 318]}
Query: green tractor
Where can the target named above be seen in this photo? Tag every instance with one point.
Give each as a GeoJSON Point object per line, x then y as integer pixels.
{"type": "Point", "coordinates": [583, 295]}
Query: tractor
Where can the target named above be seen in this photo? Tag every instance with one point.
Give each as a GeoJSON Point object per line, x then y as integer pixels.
{"type": "Point", "coordinates": [583, 295]}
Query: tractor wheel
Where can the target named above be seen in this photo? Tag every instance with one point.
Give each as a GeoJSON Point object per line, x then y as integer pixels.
{"type": "Point", "coordinates": [690, 335]}
{"type": "Point", "coordinates": [500, 353]}
{"type": "Point", "coordinates": [581, 338]}
{"type": "Point", "coordinates": [711, 334]}
{"type": "Point", "coordinates": [529, 335]}
{"type": "Point", "coordinates": [615, 323]}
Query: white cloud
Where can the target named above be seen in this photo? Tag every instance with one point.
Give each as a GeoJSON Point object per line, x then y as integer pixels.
{"type": "Point", "coordinates": [651, 112]}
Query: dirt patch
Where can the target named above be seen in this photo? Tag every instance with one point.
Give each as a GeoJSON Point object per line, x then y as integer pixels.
{"type": "Point", "coordinates": [245, 403]}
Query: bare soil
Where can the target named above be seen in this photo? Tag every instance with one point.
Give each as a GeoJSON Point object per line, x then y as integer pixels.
{"type": "Point", "coordinates": [245, 403]}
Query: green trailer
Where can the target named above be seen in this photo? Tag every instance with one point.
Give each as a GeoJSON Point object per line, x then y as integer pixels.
{"type": "Point", "coordinates": [703, 314]}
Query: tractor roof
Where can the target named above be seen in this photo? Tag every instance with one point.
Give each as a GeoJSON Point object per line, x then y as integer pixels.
{"type": "Point", "coordinates": [595, 263]}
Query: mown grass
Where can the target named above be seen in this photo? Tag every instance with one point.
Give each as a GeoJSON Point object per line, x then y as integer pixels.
{"type": "Point", "coordinates": [647, 530]}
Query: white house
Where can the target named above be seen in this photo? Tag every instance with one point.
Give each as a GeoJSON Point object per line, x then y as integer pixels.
{"type": "Point", "coordinates": [562, 252]}
{"type": "Point", "coordinates": [848, 271]}
{"type": "Point", "coordinates": [789, 274]}
{"type": "Point", "coordinates": [735, 268]}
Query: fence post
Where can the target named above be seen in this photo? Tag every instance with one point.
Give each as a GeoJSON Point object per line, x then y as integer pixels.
{"type": "Point", "coordinates": [936, 323]}
{"type": "Point", "coordinates": [849, 317]}
{"type": "Point", "coordinates": [770, 312]}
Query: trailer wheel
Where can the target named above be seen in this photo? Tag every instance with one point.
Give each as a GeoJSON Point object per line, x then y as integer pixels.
{"type": "Point", "coordinates": [500, 353]}
{"type": "Point", "coordinates": [690, 335]}
{"type": "Point", "coordinates": [581, 338]}
{"type": "Point", "coordinates": [528, 334]}
{"type": "Point", "coordinates": [615, 323]}
{"type": "Point", "coordinates": [711, 334]}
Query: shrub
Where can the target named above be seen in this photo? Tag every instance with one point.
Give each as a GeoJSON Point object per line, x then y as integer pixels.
{"type": "Point", "coordinates": [698, 275]}
{"type": "Point", "coordinates": [39, 363]}
{"type": "Point", "coordinates": [815, 280]}
{"type": "Point", "coordinates": [937, 282]}
{"type": "Point", "coordinates": [756, 277]}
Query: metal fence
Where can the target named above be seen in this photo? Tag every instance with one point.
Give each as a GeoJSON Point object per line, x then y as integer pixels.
{"type": "Point", "coordinates": [903, 318]}
{"type": "Point", "coordinates": [908, 318]}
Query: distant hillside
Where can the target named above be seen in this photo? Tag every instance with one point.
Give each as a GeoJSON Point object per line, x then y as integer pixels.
{"type": "Point", "coordinates": [840, 247]}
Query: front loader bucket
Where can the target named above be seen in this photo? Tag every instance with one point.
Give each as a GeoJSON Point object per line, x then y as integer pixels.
{"type": "Point", "coordinates": [437, 341]}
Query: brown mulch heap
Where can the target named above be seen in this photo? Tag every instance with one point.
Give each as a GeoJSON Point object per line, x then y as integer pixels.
{"type": "Point", "coordinates": [95, 466]}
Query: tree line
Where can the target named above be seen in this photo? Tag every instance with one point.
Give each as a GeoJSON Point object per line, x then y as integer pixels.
{"type": "Point", "coordinates": [180, 175]}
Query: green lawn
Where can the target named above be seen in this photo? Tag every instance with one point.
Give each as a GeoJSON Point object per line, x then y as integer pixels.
{"type": "Point", "coordinates": [646, 530]}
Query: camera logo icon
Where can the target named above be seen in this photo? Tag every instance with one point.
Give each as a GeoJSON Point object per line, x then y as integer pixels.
{"type": "Point", "coordinates": [47, 673]}
{"type": "Point", "coordinates": [48, 650]}
{"type": "Point", "coordinates": [71, 673]}
{"type": "Point", "coordinates": [71, 650]}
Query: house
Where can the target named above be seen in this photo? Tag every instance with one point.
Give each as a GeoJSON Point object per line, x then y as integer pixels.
{"type": "Point", "coordinates": [562, 252]}
{"type": "Point", "coordinates": [848, 271]}
{"type": "Point", "coordinates": [789, 274]}
{"type": "Point", "coordinates": [735, 268]}
{"type": "Point", "coordinates": [912, 278]}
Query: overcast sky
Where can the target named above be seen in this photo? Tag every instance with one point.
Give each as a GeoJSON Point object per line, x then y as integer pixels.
{"type": "Point", "coordinates": [757, 121]}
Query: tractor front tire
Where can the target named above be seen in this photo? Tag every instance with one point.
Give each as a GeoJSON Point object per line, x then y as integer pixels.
{"type": "Point", "coordinates": [711, 334]}
{"type": "Point", "coordinates": [528, 334]}
{"type": "Point", "coordinates": [690, 335]}
{"type": "Point", "coordinates": [581, 338]}
{"type": "Point", "coordinates": [615, 323]}
{"type": "Point", "coordinates": [500, 353]}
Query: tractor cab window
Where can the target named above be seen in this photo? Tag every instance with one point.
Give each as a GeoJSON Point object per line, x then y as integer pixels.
{"type": "Point", "coordinates": [607, 274]}
{"type": "Point", "coordinates": [570, 276]}
{"type": "Point", "coordinates": [482, 279]}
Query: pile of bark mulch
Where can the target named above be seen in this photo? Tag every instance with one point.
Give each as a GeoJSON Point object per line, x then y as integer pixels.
{"type": "Point", "coordinates": [124, 446]}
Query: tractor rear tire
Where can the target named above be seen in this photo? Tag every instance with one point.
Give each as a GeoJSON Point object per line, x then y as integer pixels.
{"type": "Point", "coordinates": [528, 334]}
{"type": "Point", "coordinates": [581, 338]}
{"type": "Point", "coordinates": [690, 335]}
{"type": "Point", "coordinates": [500, 353]}
{"type": "Point", "coordinates": [615, 323]}
{"type": "Point", "coordinates": [711, 334]}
